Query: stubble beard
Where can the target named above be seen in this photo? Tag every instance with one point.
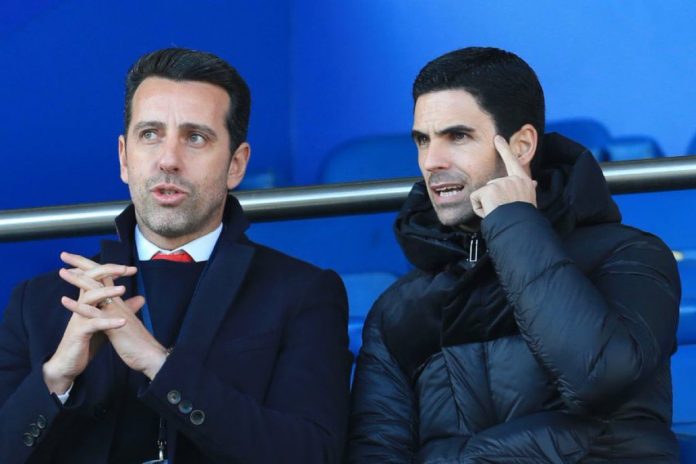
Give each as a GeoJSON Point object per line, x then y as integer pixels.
{"type": "Point", "coordinates": [461, 214]}
{"type": "Point", "coordinates": [456, 214]}
{"type": "Point", "coordinates": [192, 215]}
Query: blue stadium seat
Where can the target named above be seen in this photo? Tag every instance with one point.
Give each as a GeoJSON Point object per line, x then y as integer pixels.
{"type": "Point", "coordinates": [363, 288]}
{"type": "Point", "coordinates": [684, 363]}
{"type": "Point", "coordinates": [371, 158]}
{"type": "Point", "coordinates": [589, 132]}
{"type": "Point", "coordinates": [687, 446]}
{"type": "Point", "coordinates": [684, 391]}
{"type": "Point", "coordinates": [632, 147]}
{"type": "Point", "coordinates": [348, 244]}
{"type": "Point", "coordinates": [686, 333]}
{"type": "Point", "coordinates": [664, 214]}
{"type": "Point", "coordinates": [691, 149]}
{"type": "Point", "coordinates": [357, 243]}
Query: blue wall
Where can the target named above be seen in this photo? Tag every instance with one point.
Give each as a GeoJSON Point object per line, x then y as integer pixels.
{"type": "Point", "coordinates": [627, 64]}
{"type": "Point", "coordinates": [321, 73]}
{"type": "Point", "coordinates": [61, 88]}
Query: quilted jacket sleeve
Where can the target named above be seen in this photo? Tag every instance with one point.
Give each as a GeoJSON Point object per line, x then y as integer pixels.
{"type": "Point", "coordinates": [597, 334]}
{"type": "Point", "coordinates": [383, 425]}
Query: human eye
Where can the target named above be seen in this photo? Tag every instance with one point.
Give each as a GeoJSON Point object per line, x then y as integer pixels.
{"type": "Point", "coordinates": [196, 139]}
{"type": "Point", "coordinates": [420, 139]}
{"type": "Point", "coordinates": [460, 136]}
{"type": "Point", "coordinates": [148, 135]}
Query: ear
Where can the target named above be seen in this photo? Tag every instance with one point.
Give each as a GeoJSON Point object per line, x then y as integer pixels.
{"type": "Point", "coordinates": [122, 158]}
{"type": "Point", "coordinates": [238, 165]}
{"type": "Point", "coordinates": [523, 145]}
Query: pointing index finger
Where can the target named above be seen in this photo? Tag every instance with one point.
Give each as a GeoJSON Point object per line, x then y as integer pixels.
{"type": "Point", "coordinates": [512, 164]}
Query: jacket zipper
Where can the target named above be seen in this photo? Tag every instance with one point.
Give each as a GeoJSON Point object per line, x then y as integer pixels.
{"type": "Point", "coordinates": [473, 248]}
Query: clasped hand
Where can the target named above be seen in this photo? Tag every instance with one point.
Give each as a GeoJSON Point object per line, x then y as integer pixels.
{"type": "Point", "coordinates": [99, 314]}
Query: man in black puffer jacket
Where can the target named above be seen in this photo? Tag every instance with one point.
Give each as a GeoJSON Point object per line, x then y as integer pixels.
{"type": "Point", "coordinates": [535, 328]}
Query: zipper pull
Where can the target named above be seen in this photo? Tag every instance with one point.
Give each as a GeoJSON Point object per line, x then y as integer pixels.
{"type": "Point", "coordinates": [473, 248]}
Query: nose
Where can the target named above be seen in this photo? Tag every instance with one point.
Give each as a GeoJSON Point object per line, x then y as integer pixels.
{"type": "Point", "coordinates": [436, 157]}
{"type": "Point", "coordinates": [170, 158]}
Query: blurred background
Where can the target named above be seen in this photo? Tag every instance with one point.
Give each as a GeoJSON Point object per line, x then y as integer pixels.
{"type": "Point", "coordinates": [331, 79]}
{"type": "Point", "coordinates": [331, 84]}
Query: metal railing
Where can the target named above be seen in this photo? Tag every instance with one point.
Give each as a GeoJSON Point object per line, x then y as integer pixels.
{"type": "Point", "coordinates": [672, 173]}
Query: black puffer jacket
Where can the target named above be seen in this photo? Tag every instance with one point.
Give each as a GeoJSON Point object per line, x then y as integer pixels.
{"type": "Point", "coordinates": [552, 348]}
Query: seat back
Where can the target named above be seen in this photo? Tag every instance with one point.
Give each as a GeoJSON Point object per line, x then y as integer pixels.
{"type": "Point", "coordinates": [363, 289]}
{"type": "Point", "coordinates": [371, 158]}
{"type": "Point", "coordinates": [691, 149]}
{"type": "Point", "coordinates": [684, 360]}
{"type": "Point", "coordinates": [588, 132]}
{"type": "Point", "coordinates": [356, 243]}
{"type": "Point", "coordinates": [632, 147]}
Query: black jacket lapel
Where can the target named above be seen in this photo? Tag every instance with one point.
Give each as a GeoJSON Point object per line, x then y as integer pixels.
{"type": "Point", "coordinates": [219, 284]}
{"type": "Point", "coordinates": [214, 296]}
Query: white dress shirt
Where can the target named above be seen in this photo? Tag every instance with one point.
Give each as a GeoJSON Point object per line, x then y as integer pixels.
{"type": "Point", "coordinates": [199, 249]}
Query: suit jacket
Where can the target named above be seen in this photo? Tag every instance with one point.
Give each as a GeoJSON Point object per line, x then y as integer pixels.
{"type": "Point", "coordinates": [260, 373]}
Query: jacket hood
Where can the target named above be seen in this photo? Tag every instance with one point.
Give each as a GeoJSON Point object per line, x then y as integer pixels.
{"type": "Point", "coordinates": [571, 191]}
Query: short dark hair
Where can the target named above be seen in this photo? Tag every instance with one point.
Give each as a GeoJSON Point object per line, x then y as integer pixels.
{"type": "Point", "coordinates": [180, 64]}
{"type": "Point", "coordinates": [502, 83]}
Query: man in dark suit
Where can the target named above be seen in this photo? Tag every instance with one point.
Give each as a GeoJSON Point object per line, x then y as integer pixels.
{"type": "Point", "coordinates": [183, 340]}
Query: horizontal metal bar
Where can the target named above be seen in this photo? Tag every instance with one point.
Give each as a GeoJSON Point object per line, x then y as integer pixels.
{"type": "Point", "coordinates": [651, 175]}
{"type": "Point", "coordinates": [258, 205]}
{"type": "Point", "coordinates": [321, 200]}
{"type": "Point", "coordinates": [325, 200]}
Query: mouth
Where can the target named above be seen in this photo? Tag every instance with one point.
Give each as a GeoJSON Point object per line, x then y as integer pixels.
{"type": "Point", "coordinates": [447, 191]}
{"type": "Point", "coordinates": [168, 194]}
{"type": "Point", "coordinates": [168, 191]}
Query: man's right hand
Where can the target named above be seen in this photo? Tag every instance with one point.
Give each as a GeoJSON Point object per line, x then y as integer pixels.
{"type": "Point", "coordinates": [83, 336]}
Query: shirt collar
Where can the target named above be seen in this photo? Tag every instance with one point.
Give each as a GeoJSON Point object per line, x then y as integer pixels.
{"type": "Point", "coordinates": [200, 249]}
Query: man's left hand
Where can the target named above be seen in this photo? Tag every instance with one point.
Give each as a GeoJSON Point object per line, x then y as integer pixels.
{"type": "Point", "coordinates": [516, 186]}
{"type": "Point", "coordinates": [135, 345]}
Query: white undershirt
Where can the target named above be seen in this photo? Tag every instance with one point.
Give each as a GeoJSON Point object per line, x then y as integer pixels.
{"type": "Point", "coordinates": [200, 249]}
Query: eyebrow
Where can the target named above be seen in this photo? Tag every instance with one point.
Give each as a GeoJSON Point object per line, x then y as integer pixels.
{"type": "Point", "coordinates": [147, 125]}
{"type": "Point", "coordinates": [193, 127]}
{"type": "Point", "coordinates": [188, 126]}
{"type": "Point", "coordinates": [457, 129]}
{"type": "Point", "coordinates": [415, 134]}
